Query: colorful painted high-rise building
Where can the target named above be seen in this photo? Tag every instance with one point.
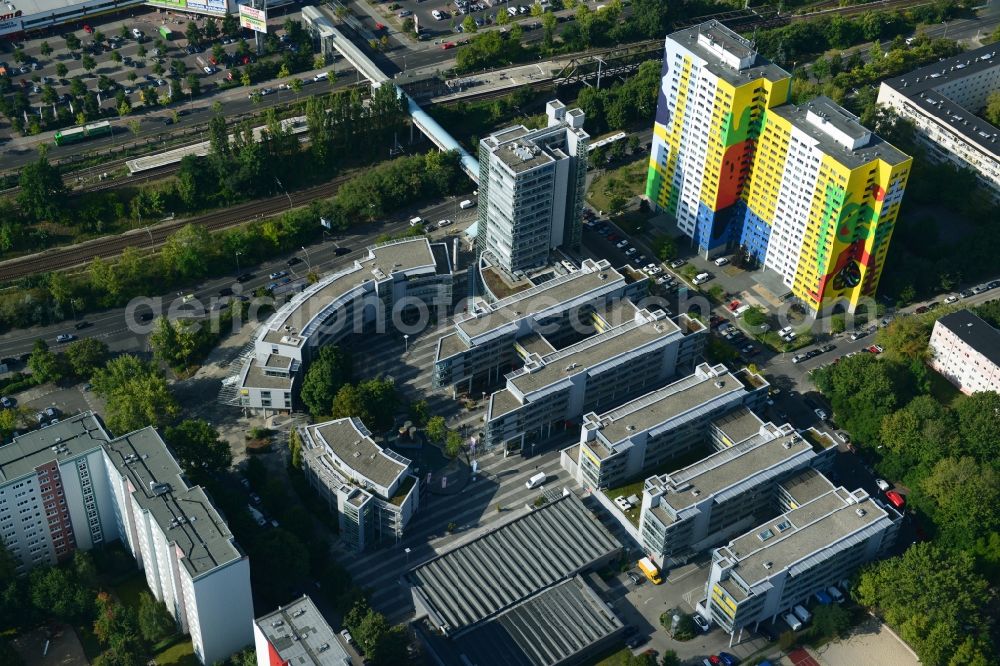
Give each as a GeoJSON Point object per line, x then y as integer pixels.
{"type": "Point", "coordinates": [804, 191]}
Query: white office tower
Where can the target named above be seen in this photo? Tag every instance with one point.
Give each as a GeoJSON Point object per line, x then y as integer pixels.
{"type": "Point", "coordinates": [531, 187]}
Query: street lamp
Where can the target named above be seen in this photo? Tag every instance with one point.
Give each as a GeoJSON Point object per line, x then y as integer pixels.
{"type": "Point", "coordinates": [238, 253]}
{"type": "Point", "coordinates": [407, 551]}
{"type": "Point", "coordinates": [406, 342]}
{"type": "Point", "coordinates": [308, 263]}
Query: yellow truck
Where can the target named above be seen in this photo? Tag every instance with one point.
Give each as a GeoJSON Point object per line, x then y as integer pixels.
{"type": "Point", "coordinates": [650, 570]}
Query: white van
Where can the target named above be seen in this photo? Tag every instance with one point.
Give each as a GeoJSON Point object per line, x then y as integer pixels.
{"type": "Point", "coordinates": [536, 480]}
{"type": "Point", "coordinates": [702, 278]}
{"type": "Point", "coordinates": [793, 622]}
{"type": "Point", "coordinates": [322, 76]}
{"type": "Point", "coordinates": [801, 613]}
{"type": "Point", "coordinates": [416, 221]}
{"type": "Point", "coordinates": [466, 204]}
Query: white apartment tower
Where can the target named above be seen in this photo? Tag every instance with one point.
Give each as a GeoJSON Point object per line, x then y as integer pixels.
{"type": "Point", "coordinates": [71, 485]}
{"type": "Point", "coordinates": [531, 187]}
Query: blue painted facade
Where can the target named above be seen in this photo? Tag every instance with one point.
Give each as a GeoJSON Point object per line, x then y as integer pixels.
{"type": "Point", "coordinates": [713, 229]}
{"type": "Point", "coordinates": [755, 233]}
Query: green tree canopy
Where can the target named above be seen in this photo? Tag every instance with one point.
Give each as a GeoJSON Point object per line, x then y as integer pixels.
{"type": "Point", "coordinates": [136, 395]}
{"type": "Point", "coordinates": [932, 596]}
{"type": "Point", "coordinates": [979, 424]}
{"type": "Point", "coordinates": [327, 373]}
{"type": "Point", "coordinates": [42, 195]}
{"type": "Point", "coordinates": [155, 621]}
{"type": "Point", "coordinates": [86, 356]}
{"type": "Point", "coordinates": [967, 496]}
{"type": "Point", "coordinates": [198, 448]}
{"type": "Point", "coordinates": [45, 365]}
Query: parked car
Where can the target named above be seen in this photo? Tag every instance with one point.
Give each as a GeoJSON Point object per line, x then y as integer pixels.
{"type": "Point", "coordinates": [702, 623]}
{"type": "Point", "coordinates": [278, 274]}
{"type": "Point", "coordinates": [896, 499]}
{"type": "Point", "coordinates": [7, 402]}
{"type": "Point", "coordinates": [677, 263]}
{"type": "Point", "coordinates": [341, 251]}
{"type": "Point", "coordinates": [951, 299]}
{"type": "Point", "coordinates": [623, 243]}
{"type": "Point", "coordinates": [293, 261]}
{"type": "Point", "coordinates": [635, 578]}
{"type": "Point", "coordinates": [443, 223]}
{"type": "Point", "coordinates": [882, 484]}
{"type": "Point", "coordinates": [722, 261]}
{"type": "Point", "coordinates": [820, 414]}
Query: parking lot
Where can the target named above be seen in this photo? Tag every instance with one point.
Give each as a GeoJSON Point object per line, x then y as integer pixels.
{"type": "Point", "coordinates": [123, 64]}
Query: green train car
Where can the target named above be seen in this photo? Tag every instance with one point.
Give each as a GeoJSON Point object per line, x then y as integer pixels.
{"type": "Point", "coordinates": [83, 132]}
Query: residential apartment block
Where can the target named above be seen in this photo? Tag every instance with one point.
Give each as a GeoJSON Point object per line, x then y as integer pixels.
{"type": "Point", "coordinates": [369, 295]}
{"type": "Point", "coordinates": [703, 504]}
{"type": "Point", "coordinates": [482, 347]}
{"type": "Point", "coordinates": [372, 489]}
{"type": "Point", "coordinates": [71, 485]}
{"type": "Point", "coordinates": [531, 187]}
{"type": "Point", "coordinates": [805, 192]}
{"type": "Point", "coordinates": [297, 635]}
{"type": "Point", "coordinates": [642, 351]}
{"type": "Point", "coordinates": [966, 350]}
{"type": "Point", "coordinates": [621, 443]}
{"type": "Point", "coordinates": [785, 560]}
{"type": "Point", "coordinates": [943, 101]}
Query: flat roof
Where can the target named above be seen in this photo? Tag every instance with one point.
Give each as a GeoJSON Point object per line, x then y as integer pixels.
{"type": "Point", "coordinates": [31, 8]}
{"type": "Point", "coordinates": [380, 263]}
{"type": "Point", "coordinates": [975, 332]}
{"type": "Point", "coordinates": [451, 345]}
{"type": "Point", "coordinates": [561, 291]}
{"type": "Point", "coordinates": [807, 530]}
{"type": "Point", "coordinates": [256, 378]}
{"type": "Point", "coordinates": [522, 149]}
{"type": "Point", "coordinates": [185, 514]}
{"type": "Point", "coordinates": [590, 352]}
{"type": "Point", "coordinates": [544, 630]}
{"type": "Point", "coordinates": [923, 89]}
{"type": "Point", "coordinates": [738, 424]}
{"type": "Point", "coordinates": [807, 486]}
{"type": "Point", "coordinates": [727, 468]}
{"type": "Point", "coordinates": [667, 403]}
{"type": "Point", "coordinates": [761, 68]}
{"type": "Point", "coordinates": [350, 441]}
{"type": "Point", "coordinates": [300, 635]}
{"type": "Point", "coordinates": [506, 565]}
{"type": "Point", "coordinates": [840, 120]}
{"type": "Point", "coordinates": [73, 435]}
{"type": "Point", "coordinates": [535, 343]}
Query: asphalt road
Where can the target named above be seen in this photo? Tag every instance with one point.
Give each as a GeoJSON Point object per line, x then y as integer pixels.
{"type": "Point", "coordinates": [111, 325]}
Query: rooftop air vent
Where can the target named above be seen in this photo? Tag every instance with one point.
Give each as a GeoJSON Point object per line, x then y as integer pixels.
{"type": "Point", "coordinates": [719, 383]}
{"type": "Point", "coordinates": [299, 613]}
{"type": "Point", "coordinates": [630, 427]}
{"type": "Point", "coordinates": [861, 512]}
{"type": "Point", "coordinates": [277, 623]}
{"type": "Point", "coordinates": [768, 564]}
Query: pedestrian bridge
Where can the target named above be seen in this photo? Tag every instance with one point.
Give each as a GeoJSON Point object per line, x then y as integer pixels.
{"type": "Point", "coordinates": [421, 119]}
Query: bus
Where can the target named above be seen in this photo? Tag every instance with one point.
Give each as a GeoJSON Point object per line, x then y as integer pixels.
{"type": "Point", "coordinates": [83, 132]}
{"type": "Point", "coordinates": [165, 32]}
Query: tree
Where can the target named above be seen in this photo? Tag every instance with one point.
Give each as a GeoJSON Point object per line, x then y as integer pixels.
{"type": "Point", "coordinates": [932, 596]}
{"type": "Point", "coordinates": [55, 592]}
{"type": "Point", "coordinates": [408, 25]}
{"type": "Point", "coordinates": [98, 37]}
{"type": "Point", "coordinates": [436, 429]}
{"type": "Point", "coordinates": [86, 356]}
{"type": "Point", "coordinates": [469, 25]}
{"type": "Point", "coordinates": [193, 33]}
{"type": "Point", "coordinates": [666, 248]}
{"type": "Point", "coordinates": [390, 648]}
{"type": "Point", "coordinates": [72, 42]}
{"type": "Point", "coordinates": [211, 28]}
{"type": "Point", "coordinates": [150, 96]}
{"type": "Point", "coordinates": [42, 194]}
{"type": "Point", "coordinates": [992, 111]}
{"type": "Point", "coordinates": [549, 27]}
{"type": "Point", "coordinates": [327, 373]}
{"type": "Point", "coordinates": [88, 63]}
{"type": "Point", "coordinates": [155, 622]}
{"type": "Point", "coordinates": [503, 18]}
{"type": "Point", "coordinates": [194, 85]}
{"type": "Point", "coordinates": [198, 448]}
{"type": "Point", "coordinates": [45, 49]}
{"type": "Point", "coordinates": [754, 316]}
{"type": "Point", "coordinates": [978, 416]}
{"type": "Point", "coordinates": [117, 629]}
{"type": "Point", "coordinates": [967, 495]}
{"type": "Point", "coordinates": [373, 401]}
{"type": "Point", "coordinates": [188, 251]}
{"type": "Point", "coordinates": [831, 620]}
{"type": "Point", "coordinates": [136, 393]}
{"type": "Point", "coordinates": [230, 25]}
{"type": "Point", "coordinates": [453, 444]}
{"type": "Point", "coordinates": [44, 364]}
{"type": "Point", "coordinates": [116, 57]}
{"type": "Point", "coordinates": [61, 70]}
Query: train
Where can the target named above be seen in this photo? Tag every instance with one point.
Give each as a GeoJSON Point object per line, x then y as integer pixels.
{"type": "Point", "coordinates": [83, 132]}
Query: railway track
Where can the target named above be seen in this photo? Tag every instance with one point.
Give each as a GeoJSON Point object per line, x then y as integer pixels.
{"type": "Point", "coordinates": [77, 255]}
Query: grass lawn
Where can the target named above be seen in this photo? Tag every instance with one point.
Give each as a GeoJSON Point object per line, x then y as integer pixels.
{"type": "Point", "coordinates": [180, 653]}
{"type": "Point", "coordinates": [632, 174]}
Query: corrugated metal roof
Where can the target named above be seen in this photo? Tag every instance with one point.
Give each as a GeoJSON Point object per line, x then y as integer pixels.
{"type": "Point", "coordinates": [479, 579]}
